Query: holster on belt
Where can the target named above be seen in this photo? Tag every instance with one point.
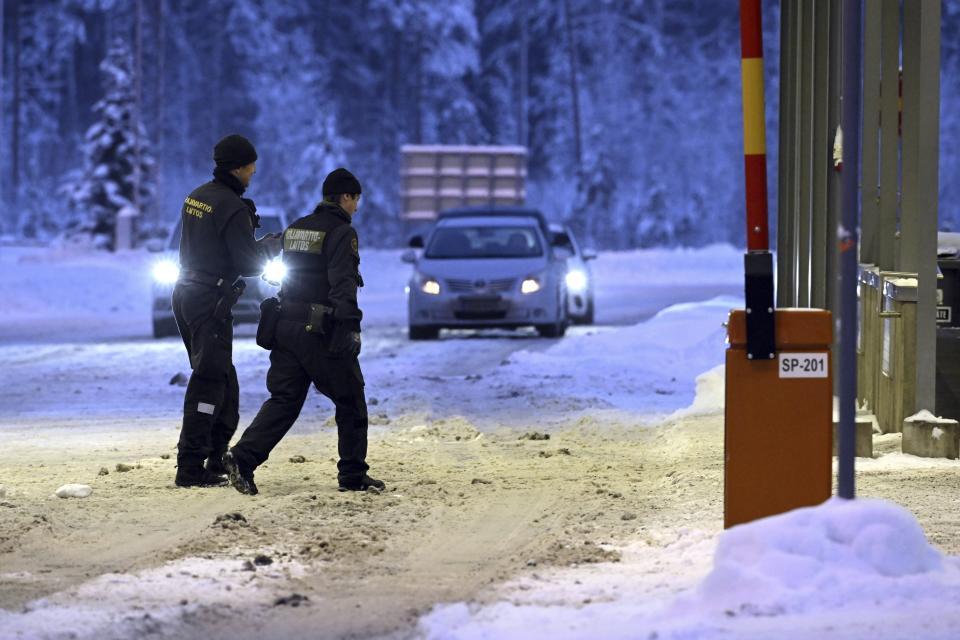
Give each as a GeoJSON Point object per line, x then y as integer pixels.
{"type": "Point", "coordinates": [267, 328]}
{"type": "Point", "coordinates": [317, 317]}
{"type": "Point", "coordinates": [228, 298]}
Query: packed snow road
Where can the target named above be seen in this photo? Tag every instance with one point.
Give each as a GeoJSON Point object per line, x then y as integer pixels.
{"type": "Point", "coordinates": [576, 483]}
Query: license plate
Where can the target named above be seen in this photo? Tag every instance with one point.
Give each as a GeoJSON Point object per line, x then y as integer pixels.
{"type": "Point", "coordinates": [480, 304]}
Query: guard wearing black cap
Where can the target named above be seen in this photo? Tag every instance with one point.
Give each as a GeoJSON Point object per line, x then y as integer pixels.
{"type": "Point", "coordinates": [316, 340]}
{"type": "Point", "coordinates": [217, 246]}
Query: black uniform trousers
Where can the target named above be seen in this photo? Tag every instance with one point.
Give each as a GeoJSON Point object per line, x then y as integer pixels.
{"type": "Point", "coordinates": [298, 359]}
{"type": "Point", "coordinates": [211, 406]}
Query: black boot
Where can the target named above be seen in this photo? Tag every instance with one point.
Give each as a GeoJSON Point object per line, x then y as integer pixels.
{"type": "Point", "coordinates": [363, 484]}
{"type": "Point", "coordinates": [214, 464]}
{"type": "Point", "coordinates": [194, 475]}
{"type": "Point", "coordinates": [240, 477]}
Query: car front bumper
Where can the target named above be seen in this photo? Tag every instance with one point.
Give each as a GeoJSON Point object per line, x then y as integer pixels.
{"type": "Point", "coordinates": [475, 310]}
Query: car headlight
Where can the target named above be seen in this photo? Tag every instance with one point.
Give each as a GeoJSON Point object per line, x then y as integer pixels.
{"type": "Point", "coordinates": [274, 271]}
{"type": "Point", "coordinates": [166, 271]}
{"type": "Point", "coordinates": [529, 285]}
{"type": "Point", "coordinates": [576, 280]}
{"type": "Point", "coordinates": [431, 287]}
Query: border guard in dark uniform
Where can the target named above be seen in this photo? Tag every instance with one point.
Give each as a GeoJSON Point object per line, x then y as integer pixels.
{"type": "Point", "coordinates": [217, 246]}
{"type": "Point", "coordinates": [315, 338]}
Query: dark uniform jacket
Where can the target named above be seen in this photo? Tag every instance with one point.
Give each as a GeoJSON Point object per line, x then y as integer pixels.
{"type": "Point", "coordinates": [322, 256]}
{"type": "Point", "coordinates": [217, 237]}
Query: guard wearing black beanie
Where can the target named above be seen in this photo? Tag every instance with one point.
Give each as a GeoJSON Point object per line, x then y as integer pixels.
{"type": "Point", "coordinates": [234, 151]}
{"type": "Point", "coordinates": [217, 246]}
{"type": "Point", "coordinates": [317, 340]}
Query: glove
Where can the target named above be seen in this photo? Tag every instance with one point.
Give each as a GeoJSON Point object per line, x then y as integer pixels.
{"type": "Point", "coordinates": [346, 339]}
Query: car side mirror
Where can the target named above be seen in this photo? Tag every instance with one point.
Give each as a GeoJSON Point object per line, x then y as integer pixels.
{"type": "Point", "coordinates": [589, 254]}
{"type": "Point", "coordinates": [416, 242]}
{"type": "Point", "coordinates": [560, 239]}
{"type": "Point", "coordinates": [409, 256]}
{"type": "Point", "coordinates": [155, 245]}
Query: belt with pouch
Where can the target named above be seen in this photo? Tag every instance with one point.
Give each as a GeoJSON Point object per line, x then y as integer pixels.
{"type": "Point", "coordinates": [200, 277]}
{"type": "Point", "coordinates": [317, 317]}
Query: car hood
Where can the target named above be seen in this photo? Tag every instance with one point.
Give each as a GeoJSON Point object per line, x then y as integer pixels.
{"type": "Point", "coordinates": [491, 268]}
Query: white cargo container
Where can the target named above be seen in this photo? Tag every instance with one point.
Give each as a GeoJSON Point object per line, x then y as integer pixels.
{"type": "Point", "coordinates": [439, 177]}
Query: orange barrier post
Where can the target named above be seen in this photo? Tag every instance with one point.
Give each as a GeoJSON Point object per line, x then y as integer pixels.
{"type": "Point", "coordinates": [778, 425]}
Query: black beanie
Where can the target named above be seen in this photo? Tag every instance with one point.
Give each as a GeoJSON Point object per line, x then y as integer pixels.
{"type": "Point", "coordinates": [340, 181]}
{"type": "Point", "coordinates": [233, 152]}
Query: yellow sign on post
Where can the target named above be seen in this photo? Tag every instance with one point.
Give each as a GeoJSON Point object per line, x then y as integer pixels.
{"type": "Point", "coordinates": [778, 418]}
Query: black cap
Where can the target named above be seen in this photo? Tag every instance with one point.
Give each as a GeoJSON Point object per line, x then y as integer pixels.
{"type": "Point", "coordinates": [340, 181]}
{"type": "Point", "coordinates": [233, 152]}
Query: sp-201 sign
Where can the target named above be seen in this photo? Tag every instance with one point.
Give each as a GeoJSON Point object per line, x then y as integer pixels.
{"type": "Point", "coordinates": [802, 365]}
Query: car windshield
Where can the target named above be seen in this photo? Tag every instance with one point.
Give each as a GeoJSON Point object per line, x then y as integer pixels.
{"type": "Point", "coordinates": [268, 224]}
{"type": "Point", "coordinates": [485, 242]}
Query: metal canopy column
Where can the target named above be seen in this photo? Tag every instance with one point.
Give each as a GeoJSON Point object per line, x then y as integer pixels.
{"type": "Point", "coordinates": [805, 150]}
{"type": "Point", "coordinates": [820, 161]}
{"type": "Point", "coordinates": [921, 130]}
{"type": "Point", "coordinates": [786, 180]}
{"type": "Point", "coordinates": [869, 221]}
{"type": "Point", "coordinates": [889, 135]}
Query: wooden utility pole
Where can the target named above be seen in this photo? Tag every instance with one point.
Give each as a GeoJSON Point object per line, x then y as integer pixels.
{"type": "Point", "coordinates": [574, 88]}
{"type": "Point", "coordinates": [524, 72]}
{"type": "Point", "coordinates": [15, 109]}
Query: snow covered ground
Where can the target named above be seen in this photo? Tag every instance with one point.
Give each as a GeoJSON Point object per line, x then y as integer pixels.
{"type": "Point", "coordinates": [609, 528]}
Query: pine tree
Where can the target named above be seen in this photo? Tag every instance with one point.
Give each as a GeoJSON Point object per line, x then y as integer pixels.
{"type": "Point", "coordinates": [112, 181]}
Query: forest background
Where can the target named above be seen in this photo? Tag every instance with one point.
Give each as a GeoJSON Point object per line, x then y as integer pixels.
{"type": "Point", "coordinates": [630, 109]}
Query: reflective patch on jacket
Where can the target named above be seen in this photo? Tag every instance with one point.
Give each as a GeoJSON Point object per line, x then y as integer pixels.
{"type": "Point", "coordinates": [303, 240]}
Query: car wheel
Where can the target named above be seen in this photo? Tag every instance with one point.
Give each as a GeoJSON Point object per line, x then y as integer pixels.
{"type": "Point", "coordinates": [423, 333]}
{"type": "Point", "coordinates": [165, 327]}
{"type": "Point", "coordinates": [552, 330]}
{"type": "Point", "coordinates": [587, 317]}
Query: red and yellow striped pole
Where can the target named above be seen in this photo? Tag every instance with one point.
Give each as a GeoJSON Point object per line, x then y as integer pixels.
{"type": "Point", "coordinates": [754, 125]}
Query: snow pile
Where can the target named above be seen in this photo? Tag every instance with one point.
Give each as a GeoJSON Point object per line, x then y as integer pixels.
{"type": "Point", "coordinates": [647, 367]}
{"type": "Point", "coordinates": [711, 386]}
{"type": "Point", "coordinates": [845, 569]}
{"type": "Point", "coordinates": [928, 417]}
{"type": "Point", "coordinates": [74, 491]}
{"type": "Point", "coordinates": [835, 555]}
{"type": "Point", "coordinates": [150, 602]}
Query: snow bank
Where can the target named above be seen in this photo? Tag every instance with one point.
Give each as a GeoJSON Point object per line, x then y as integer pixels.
{"type": "Point", "coordinates": [845, 569]}
{"type": "Point", "coordinates": [647, 367]}
{"type": "Point", "coordinates": [834, 555]}
{"type": "Point", "coordinates": [709, 400]}
{"type": "Point", "coordinates": [150, 602]}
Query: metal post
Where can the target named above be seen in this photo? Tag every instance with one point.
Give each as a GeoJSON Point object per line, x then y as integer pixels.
{"type": "Point", "coordinates": [820, 160]}
{"type": "Point", "coordinates": [784, 144]}
{"type": "Point", "coordinates": [834, 185]}
{"type": "Point", "coordinates": [889, 134]}
{"type": "Point", "coordinates": [805, 151]}
{"type": "Point", "coordinates": [921, 130]}
{"type": "Point", "coordinates": [869, 220]}
{"type": "Point", "coordinates": [847, 236]}
{"type": "Point", "coordinates": [786, 173]}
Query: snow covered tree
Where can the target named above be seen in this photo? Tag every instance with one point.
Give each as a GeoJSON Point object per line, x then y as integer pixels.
{"type": "Point", "coordinates": [118, 163]}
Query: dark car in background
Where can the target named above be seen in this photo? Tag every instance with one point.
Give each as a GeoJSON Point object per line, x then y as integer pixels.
{"type": "Point", "coordinates": [166, 270]}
